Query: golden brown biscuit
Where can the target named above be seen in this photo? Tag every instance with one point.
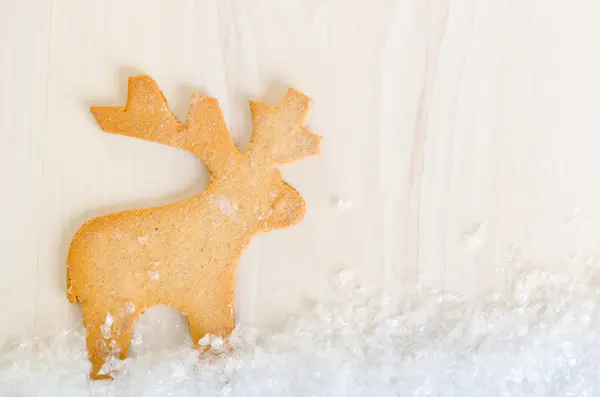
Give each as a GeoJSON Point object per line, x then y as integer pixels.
{"type": "Point", "coordinates": [184, 255]}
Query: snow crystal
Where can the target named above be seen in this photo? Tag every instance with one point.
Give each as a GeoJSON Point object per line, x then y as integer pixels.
{"type": "Point", "coordinates": [105, 328]}
{"type": "Point", "coordinates": [129, 307]}
{"type": "Point", "coordinates": [344, 277]}
{"type": "Point", "coordinates": [153, 275]}
{"type": "Point", "coordinates": [136, 339]}
{"type": "Point", "coordinates": [215, 342]}
{"type": "Point", "coordinates": [541, 339]}
{"type": "Point", "coordinates": [342, 205]}
{"type": "Point", "coordinates": [226, 205]}
{"type": "Point", "coordinates": [476, 237]}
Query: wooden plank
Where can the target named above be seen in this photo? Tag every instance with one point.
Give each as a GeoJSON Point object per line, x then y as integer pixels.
{"type": "Point", "coordinates": [462, 133]}
{"type": "Point", "coordinates": [523, 190]}
{"type": "Point", "coordinates": [23, 64]}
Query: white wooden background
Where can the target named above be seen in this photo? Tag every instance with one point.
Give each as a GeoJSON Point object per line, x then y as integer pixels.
{"type": "Point", "coordinates": [466, 135]}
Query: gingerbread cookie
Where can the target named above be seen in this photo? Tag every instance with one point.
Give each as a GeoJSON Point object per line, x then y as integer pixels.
{"type": "Point", "coordinates": [185, 255]}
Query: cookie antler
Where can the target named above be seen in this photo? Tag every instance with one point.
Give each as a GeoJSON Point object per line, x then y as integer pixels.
{"type": "Point", "coordinates": [208, 136]}
{"type": "Point", "coordinates": [279, 135]}
{"type": "Point", "coordinates": [137, 119]}
{"type": "Point", "coordinates": [205, 133]}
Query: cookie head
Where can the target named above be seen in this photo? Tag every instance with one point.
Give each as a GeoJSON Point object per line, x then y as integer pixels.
{"type": "Point", "coordinates": [279, 136]}
{"type": "Point", "coordinates": [259, 200]}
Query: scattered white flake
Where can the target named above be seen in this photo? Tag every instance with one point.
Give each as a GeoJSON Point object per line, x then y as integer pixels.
{"type": "Point", "coordinates": [205, 340]}
{"type": "Point", "coordinates": [113, 366]}
{"type": "Point", "coordinates": [476, 237]}
{"type": "Point", "coordinates": [179, 373]}
{"type": "Point", "coordinates": [572, 362]}
{"type": "Point", "coordinates": [153, 275]}
{"type": "Point", "coordinates": [345, 276]}
{"type": "Point", "coordinates": [226, 205]}
{"type": "Point", "coordinates": [136, 339]}
{"type": "Point", "coordinates": [155, 264]}
{"type": "Point", "coordinates": [105, 328]}
{"type": "Point", "coordinates": [541, 339]}
{"type": "Point", "coordinates": [342, 205]}
{"type": "Point", "coordinates": [117, 235]}
{"type": "Point", "coordinates": [215, 342]}
{"type": "Point", "coordinates": [129, 307]}
{"type": "Point", "coordinates": [105, 368]}
{"type": "Point", "coordinates": [143, 240]}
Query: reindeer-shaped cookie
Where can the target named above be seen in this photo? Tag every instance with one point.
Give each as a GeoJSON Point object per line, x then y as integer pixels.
{"type": "Point", "coordinates": [185, 255]}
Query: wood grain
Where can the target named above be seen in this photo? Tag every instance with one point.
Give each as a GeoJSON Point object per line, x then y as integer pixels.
{"type": "Point", "coordinates": [463, 133]}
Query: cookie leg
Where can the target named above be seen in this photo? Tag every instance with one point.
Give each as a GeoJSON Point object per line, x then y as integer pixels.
{"type": "Point", "coordinates": [216, 319]}
{"type": "Point", "coordinates": [109, 332]}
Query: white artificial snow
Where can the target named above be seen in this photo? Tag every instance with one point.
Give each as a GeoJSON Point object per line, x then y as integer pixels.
{"type": "Point", "coordinates": [342, 205]}
{"type": "Point", "coordinates": [344, 277]}
{"type": "Point", "coordinates": [476, 237]}
{"type": "Point", "coordinates": [129, 307]}
{"type": "Point", "coordinates": [542, 339]}
{"type": "Point", "coordinates": [153, 275]}
{"type": "Point", "coordinates": [215, 342]}
{"type": "Point", "coordinates": [117, 235]}
{"type": "Point", "coordinates": [105, 328]}
{"type": "Point", "coordinates": [226, 205]}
